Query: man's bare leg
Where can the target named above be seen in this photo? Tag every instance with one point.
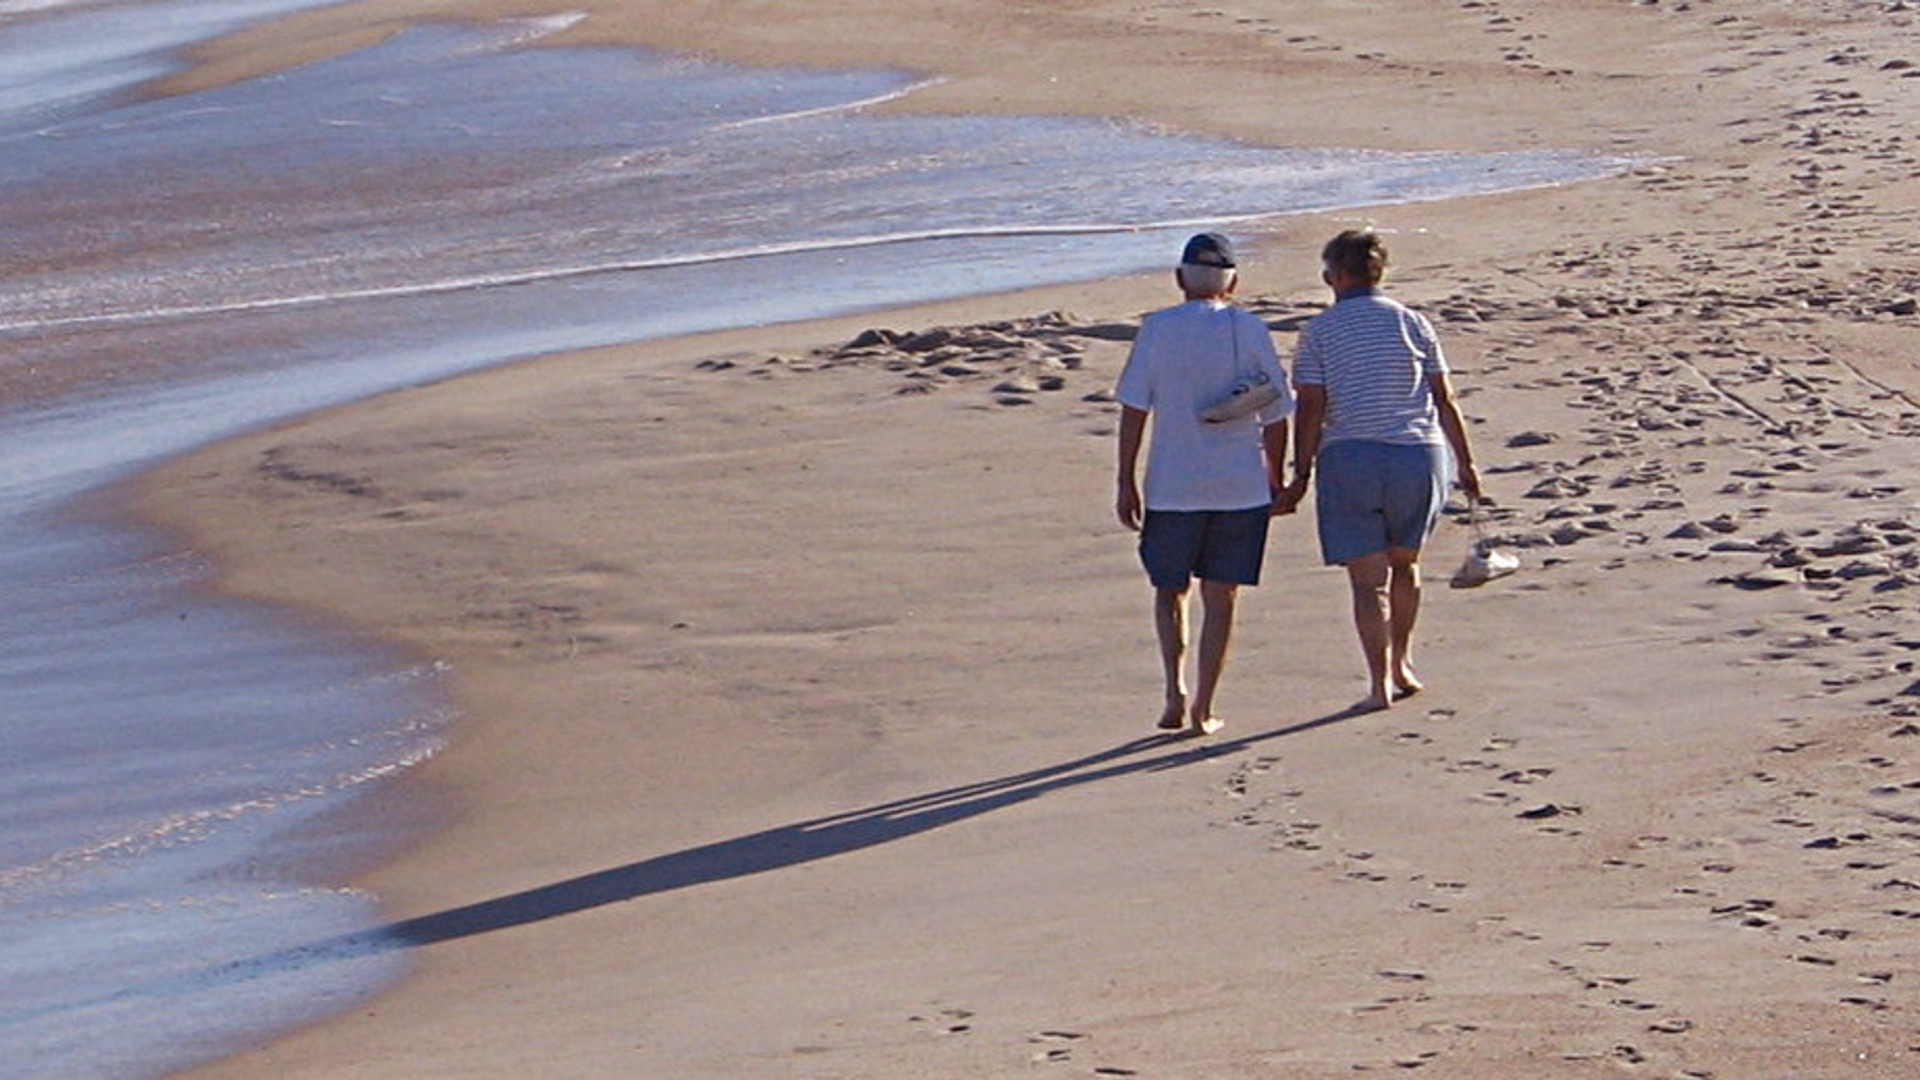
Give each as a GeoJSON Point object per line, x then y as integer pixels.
{"type": "Point", "coordinates": [1367, 576]}
{"type": "Point", "coordinates": [1217, 600]}
{"type": "Point", "coordinates": [1170, 623]}
{"type": "Point", "coordinates": [1403, 596]}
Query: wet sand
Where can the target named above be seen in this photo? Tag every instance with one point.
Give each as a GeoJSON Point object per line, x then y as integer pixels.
{"type": "Point", "coordinates": [812, 685]}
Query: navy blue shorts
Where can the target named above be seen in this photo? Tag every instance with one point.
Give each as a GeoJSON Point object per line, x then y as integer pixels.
{"type": "Point", "coordinates": [1227, 546]}
{"type": "Point", "coordinates": [1371, 496]}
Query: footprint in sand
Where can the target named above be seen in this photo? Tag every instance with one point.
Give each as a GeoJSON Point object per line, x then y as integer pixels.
{"type": "Point", "coordinates": [1391, 1001]}
{"type": "Point", "coordinates": [1755, 914]}
{"type": "Point", "coordinates": [1051, 1052]}
{"type": "Point", "coordinates": [1443, 1027]}
{"type": "Point", "coordinates": [947, 1021]}
{"type": "Point", "coordinates": [1529, 936]}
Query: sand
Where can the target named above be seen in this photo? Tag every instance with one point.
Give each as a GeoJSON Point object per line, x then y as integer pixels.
{"type": "Point", "coordinates": [809, 688]}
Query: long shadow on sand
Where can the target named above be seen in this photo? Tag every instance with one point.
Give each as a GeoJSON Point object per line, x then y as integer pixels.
{"type": "Point", "coordinates": [820, 838]}
{"type": "Point", "coordinates": [740, 856]}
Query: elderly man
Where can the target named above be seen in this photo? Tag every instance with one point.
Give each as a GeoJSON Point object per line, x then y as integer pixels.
{"type": "Point", "coordinates": [1206, 374]}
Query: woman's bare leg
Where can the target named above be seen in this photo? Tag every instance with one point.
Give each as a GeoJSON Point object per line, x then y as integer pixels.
{"type": "Point", "coordinates": [1368, 577]}
{"type": "Point", "coordinates": [1403, 598]}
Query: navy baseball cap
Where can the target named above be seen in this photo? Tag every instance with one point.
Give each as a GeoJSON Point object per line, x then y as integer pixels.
{"type": "Point", "coordinates": [1208, 249]}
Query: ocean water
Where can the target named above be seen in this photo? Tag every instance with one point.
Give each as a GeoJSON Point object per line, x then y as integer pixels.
{"type": "Point", "coordinates": [178, 270]}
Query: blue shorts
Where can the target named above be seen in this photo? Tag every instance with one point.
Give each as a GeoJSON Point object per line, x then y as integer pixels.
{"type": "Point", "coordinates": [1227, 546]}
{"type": "Point", "coordinates": [1371, 496]}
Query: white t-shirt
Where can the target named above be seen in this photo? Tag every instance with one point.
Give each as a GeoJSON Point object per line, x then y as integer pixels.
{"type": "Point", "coordinates": [1185, 359]}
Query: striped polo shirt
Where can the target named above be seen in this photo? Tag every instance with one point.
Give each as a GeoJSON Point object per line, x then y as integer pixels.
{"type": "Point", "coordinates": [1373, 355]}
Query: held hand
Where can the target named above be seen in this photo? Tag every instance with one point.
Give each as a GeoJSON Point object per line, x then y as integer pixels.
{"type": "Point", "coordinates": [1126, 506]}
{"type": "Point", "coordinates": [1287, 499]}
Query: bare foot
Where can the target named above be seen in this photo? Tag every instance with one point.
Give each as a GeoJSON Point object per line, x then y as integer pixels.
{"type": "Point", "coordinates": [1175, 716]}
{"type": "Point", "coordinates": [1406, 684]}
{"type": "Point", "coordinates": [1375, 702]}
{"type": "Point", "coordinates": [1207, 725]}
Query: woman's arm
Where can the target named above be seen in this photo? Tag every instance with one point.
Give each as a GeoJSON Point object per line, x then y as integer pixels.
{"type": "Point", "coordinates": [1455, 428]}
{"type": "Point", "coordinates": [1309, 415]}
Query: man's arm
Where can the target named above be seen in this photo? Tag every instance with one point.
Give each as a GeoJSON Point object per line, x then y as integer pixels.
{"type": "Point", "coordinates": [1273, 437]}
{"type": "Point", "coordinates": [1307, 420]}
{"type": "Point", "coordinates": [1455, 428]}
{"type": "Point", "coordinates": [1133, 427]}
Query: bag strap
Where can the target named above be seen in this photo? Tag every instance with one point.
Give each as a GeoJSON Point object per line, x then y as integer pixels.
{"type": "Point", "coordinates": [1474, 522]}
{"type": "Point", "coordinates": [1233, 332]}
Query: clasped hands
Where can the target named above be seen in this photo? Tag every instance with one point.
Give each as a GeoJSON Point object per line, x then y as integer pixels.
{"type": "Point", "coordinates": [1287, 499]}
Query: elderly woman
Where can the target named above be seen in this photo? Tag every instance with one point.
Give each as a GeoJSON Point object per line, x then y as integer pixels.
{"type": "Point", "coordinates": [1377, 417]}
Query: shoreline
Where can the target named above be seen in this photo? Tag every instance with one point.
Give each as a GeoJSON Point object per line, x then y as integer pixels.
{"type": "Point", "coordinates": [541, 623]}
{"type": "Point", "coordinates": [1308, 62]}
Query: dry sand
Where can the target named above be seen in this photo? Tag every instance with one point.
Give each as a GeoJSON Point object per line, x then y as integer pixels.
{"type": "Point", "coordinates": [809, 687]}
